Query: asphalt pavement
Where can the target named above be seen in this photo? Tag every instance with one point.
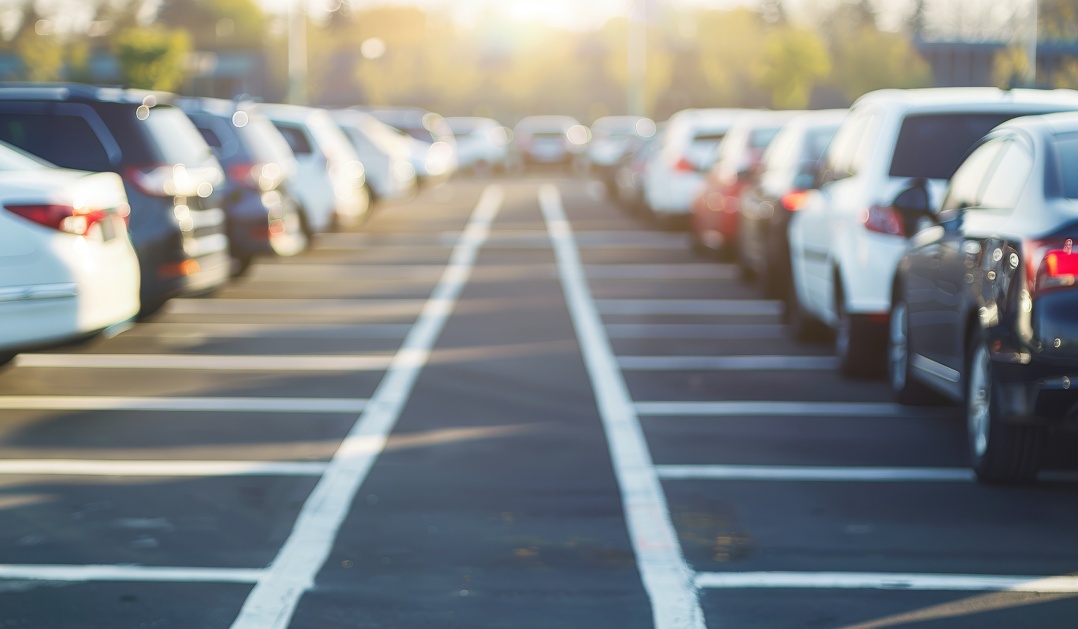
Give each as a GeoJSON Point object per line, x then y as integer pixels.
{"type": "Point", "coordinates": [504, 403]}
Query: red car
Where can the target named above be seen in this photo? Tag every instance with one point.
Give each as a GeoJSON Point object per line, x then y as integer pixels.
{"type": "Point", "coordinates": [716, 210]}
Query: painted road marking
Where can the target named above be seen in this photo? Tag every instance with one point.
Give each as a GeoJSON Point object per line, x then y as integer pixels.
{"type": "Point", "coordinates": [727, 307]}
{"type": "Point", "coordinates": [693, 271]}
{"type": "Point", "coordinates": [206, 362]}
{"type": "Point", "coordinates": [784, 473]}
{"type": "Point", "coordinates": [728, 363]}
{"type": "Point", "coordinates": [330, 331]}
{"type": "Point", "coordinates": [383, 307]}
{"type": "Point", "coordinates": [665, 574]}
{"type": "Point", "coordinates": [182, 404]}
{"type": "Point", "coordinates": [703, 331]}
{"type": "Point", "coordinates": [273, 600]}
{"type": "Point", "coordinates": [886, 581]}
{"type": "Point", "coordinates": [87, 573]}
{"type": "Point", "coordinates": [781, 409]}
{"type": "Point", "coordinates": [70, 467]}
{"type": "Point", "coordinates": [312, 272]}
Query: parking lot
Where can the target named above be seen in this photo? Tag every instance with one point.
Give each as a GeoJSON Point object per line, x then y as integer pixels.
{"type": "Point", "coordinates": [504, 403]}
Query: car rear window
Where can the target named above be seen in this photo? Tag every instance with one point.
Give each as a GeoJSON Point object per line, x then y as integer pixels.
{"type": "Point", "coordinates": [178, 140]}
{"type": "Point", "coordinates": [760, 138]}
{"type": "Point", "coordinates": [296, 138]}
{"type": "Point", "coordinates": [933, 145]}
{"type": "Point", "coordinates": [816, 141]}
{"type": "Point", "coordinates": [263, 141]}
{"type": "Point", "coordinates": [1068, 161]}
{"type": "Point", "coordinates": [67, 141]}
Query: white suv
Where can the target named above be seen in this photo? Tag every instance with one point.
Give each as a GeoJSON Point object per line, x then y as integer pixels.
{"type": "Point", "coordinates": [847, 240]}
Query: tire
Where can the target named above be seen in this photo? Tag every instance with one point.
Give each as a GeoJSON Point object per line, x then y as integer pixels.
{"type": "Point", "coordinates": [296, 237]}
{"type": "Point", "coordinates": [6, 357]}
{"type": "Point", "coordinates": [999, 452]}
{"type": "Point", "coordinates": [859, 343]}
{"type": "Point", "coordinates": [907, 389]}
{"type": "Point", "coordinates": [696, 244]}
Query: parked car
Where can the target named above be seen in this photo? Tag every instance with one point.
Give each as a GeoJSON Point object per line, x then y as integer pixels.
{"type": "Point", "coordinates": [613, 137]}
{"type": "Point", "coordinates": [675, 173]}
{"type": "Point", "coordinates": [630, 173]}
{"type": "Point", "coordinates": [984, 301]}
{"type": "Point", "coordinates": [171, 177]}
{"type": "Point", "coordinates": [385, 155]}
{"type": "Point", "coordinates": [431, 142]}
{"type": "Point", "coordinates": [482, 143]}
{"type": "Point", "coordinates": [716, 208]}
{"type": "Point", "coordinates": [846, 241]}
{"type": "Point", "coordinates": [263, 215]}
{"type": "Point", "coordinates": [549, 140]}
{"type": "Point", "coordinates": [67, 267]}
{"type": "Point", "coordinates": [330, 181]}
{"type": "Point", "coordinates": [786, 173]}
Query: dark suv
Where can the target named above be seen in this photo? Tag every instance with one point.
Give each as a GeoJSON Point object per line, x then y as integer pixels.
{"type": "Point", "coordinates": [263, 216]}
{"type": "Point", "coordinates": [172, 179]}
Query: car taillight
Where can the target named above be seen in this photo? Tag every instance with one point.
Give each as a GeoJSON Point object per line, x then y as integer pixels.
{"type": "Point", "coordinates": [1050, 264]}
{"type": "Point", "coordinates": [259, 177]}
{"type": "Point", "coordinates": [883, 220]}
{"type": "Point", "coordinates": [685, 166]}
{"type": "Point", "coordinates": [60, 217]}
{"type": "Point", "coordinates": [156, 180]}
{"type": "Point", "coordinates": [794, 201]}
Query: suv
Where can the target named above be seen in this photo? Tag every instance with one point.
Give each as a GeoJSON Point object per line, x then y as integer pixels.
{"type": "Point", "coordinates": [263, 216]}
{"type": "Point", "coordinates": [846, 241]}
{"type": "Point", "coordinates": [172, 179]}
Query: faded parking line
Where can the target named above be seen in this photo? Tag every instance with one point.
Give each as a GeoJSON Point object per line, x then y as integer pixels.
{"type": "Point", "coordinates": [182, 404]}
{"type": "Point", "coordinates": [206, 362]}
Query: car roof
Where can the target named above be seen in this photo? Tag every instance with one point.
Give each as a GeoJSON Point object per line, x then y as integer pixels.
{"type": "Point", "coordinates": [79, 91]}
{"type": "Point", "coordinates": [977, 97]}
{"type": "Point", "coordinates": [546, 122]}
{"type": "Point", "coordinates": [1049, 124]}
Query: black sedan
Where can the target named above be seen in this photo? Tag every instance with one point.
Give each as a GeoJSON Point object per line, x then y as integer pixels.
{"type": "Point", "coordinates": [985, 307]}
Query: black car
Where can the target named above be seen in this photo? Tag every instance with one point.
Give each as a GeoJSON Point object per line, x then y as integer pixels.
{"type": "Point", "coordinates": [263, 216]}
{"type": "Point", "coordinates": [172, 179]}
{"type": "Point", "coordinates": [786, 172]}
{"type": "Point", "coordinates": [985, 306]}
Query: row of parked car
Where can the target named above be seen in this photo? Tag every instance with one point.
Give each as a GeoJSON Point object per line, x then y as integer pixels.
{"type": "Point", "coordinates": [929, 233]}
{"type": "Point", "coordinates": [115, 201]}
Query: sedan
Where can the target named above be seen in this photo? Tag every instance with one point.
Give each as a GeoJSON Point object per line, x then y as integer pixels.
{"type": "Point", "coordinates": [67, 267]}
{"type": "Point", "coordinates": [984, 301]}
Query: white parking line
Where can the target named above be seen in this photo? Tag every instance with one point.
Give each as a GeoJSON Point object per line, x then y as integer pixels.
{"type": "Point", "coordinates": [728, 363]}
{"type": "Point", "coordinates": [779, 409]}
{"type": "Point", "coordinates": [728, 307]}
{"type": "Point", "coordinates": [273, 600]}
{"type": "Point", "coordinates": [370, 307]}
{"type": "Point", "coordinates": [693, 271]}
{"type": "Point", "coordinates": [812, 473]}
{"type": "Point", "coordinates": [311, 272]}
{"type": "Point", "coordinates": [665, 574]}
{"type": "Point", "coordinates": [332, 331]}
{"type": "Point", "coordinates": [702, 331]}
{"type": "Point", "coordinates": [886, 581]}
{"type": "Point", "coordinates": [69, 467]}
{"type": "Point", "coordinates": [182, 404]}
{"type": "Point", "coordinates": [206, 362]}
{"type": "Point", "coordinates": [87, 573]}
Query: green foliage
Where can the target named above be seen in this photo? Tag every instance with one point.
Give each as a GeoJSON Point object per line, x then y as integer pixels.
{"type": "Point", "coordinates": [41, 55]}
{"type": "Point", "coordinates": [793, 61]}
{"type": "Point", "coordinates": [867, 59]}
{"type": "Point", "coordinates": [152, 58]}
{"type": "Point", "coordinates": [215, 24]}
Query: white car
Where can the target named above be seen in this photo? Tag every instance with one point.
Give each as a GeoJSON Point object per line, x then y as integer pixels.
{"type": "Point", "coordinates": [330, 182]}
{"type": "Point", "coordinates": [482, 143]}
{"type": "Point", "coordinates": [385, 155]}
{"type": "Point", "coordinates": [429, 139]}
{"type": "Point", "coordinates": [549, 140]}
{"type": "Point", "coordinates": [675, 173]}
{"type": "Point", "coordinates": [845, 243]}
{"type": "Point", "coordinates": [67, 267]}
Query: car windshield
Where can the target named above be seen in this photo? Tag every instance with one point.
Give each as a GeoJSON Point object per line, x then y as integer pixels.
{"type": "Point", "coordinates": [1067, 151]}
{"type": "Point", "coordinates": [933, 146]}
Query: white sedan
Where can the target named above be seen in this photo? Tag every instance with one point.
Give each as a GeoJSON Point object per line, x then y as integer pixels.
{"type": "Point", "coordinates": [67, 267]}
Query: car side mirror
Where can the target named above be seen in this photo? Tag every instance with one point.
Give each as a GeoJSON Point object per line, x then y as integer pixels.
{"type": "Point", "coordinates": [912, 205]}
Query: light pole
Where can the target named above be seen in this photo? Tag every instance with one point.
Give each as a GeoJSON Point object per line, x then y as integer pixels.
{"type": "Point", "coordinates": [637, 54]}
{"type": "Point", "coordinates": [1031, 46]}
{"type": "Point", "coordinates": [297, 53]}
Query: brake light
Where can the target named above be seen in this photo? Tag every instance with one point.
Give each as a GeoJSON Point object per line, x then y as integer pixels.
{"type": "Point", "coordinates": [685, 166]}
{"type": "Point", "coordinates": [883, 220]}
{"type": "Point", "coordinates": [1050, 264]}
{"type": "Point", "coordinates": [259, 177]}
{"type": "Point", "coordinates": [60, 217]}
{"type": "Point", "coordinates": [794, 201]}
{"type": "Point", "coordinates": [156, 180]}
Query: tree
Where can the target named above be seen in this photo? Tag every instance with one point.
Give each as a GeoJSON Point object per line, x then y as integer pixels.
{"type": "Point", "coordinates": [152, 58]}
{"type": "Point", "coordinates": [867, 59]}
{"type": "Point", "coordinates": [215, 24]}
{"type": "Point", "coordinates": [793, 61]}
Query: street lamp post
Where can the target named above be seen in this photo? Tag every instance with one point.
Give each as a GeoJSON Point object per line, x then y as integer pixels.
{"type": "Point", "coordinates": [637, 54]}
{"type": "Point", "coordinates": [297, 53]}
{"type": "Point", "coordinates": [1031, 46]}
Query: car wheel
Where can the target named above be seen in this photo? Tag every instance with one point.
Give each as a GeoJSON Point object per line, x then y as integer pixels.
{"type": "Point", "coordinates": [907, 390]}
{"type": "Point", "coordinates": [6, 357]}
{"type": "Point", "coordinates": [802, 325]}
{"type": "Point", "coordinates": [857, 343]}
{"type": "Point", "coordinates": [293, 238]}
{"type": "Point", "coordinates": [999, 452]}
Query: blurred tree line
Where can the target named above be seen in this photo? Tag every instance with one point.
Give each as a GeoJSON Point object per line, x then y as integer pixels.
{"type": "Point", "coordinates": [754, 56]}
